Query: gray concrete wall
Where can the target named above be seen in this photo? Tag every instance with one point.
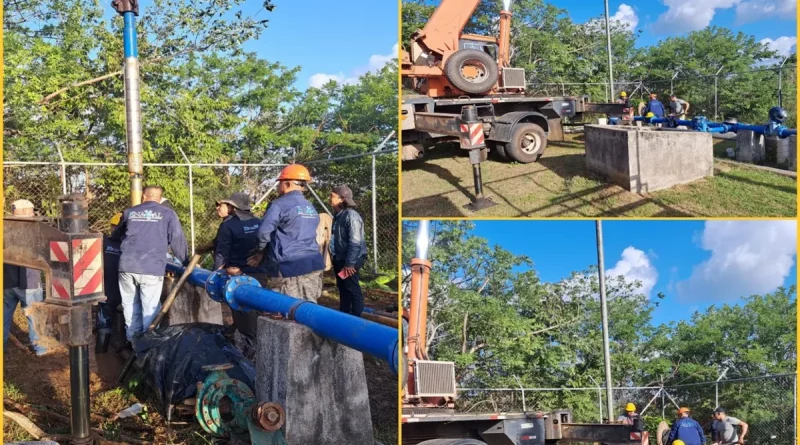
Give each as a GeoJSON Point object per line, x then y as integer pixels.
{"type": "Point", "coordinates": [192, 305]}
{"type": "Point", "coordinates": [750, 147]}
{"type": "Point", "coordinates": [320, 384]}
{"type": "Point", "coordinates": [645, 160]}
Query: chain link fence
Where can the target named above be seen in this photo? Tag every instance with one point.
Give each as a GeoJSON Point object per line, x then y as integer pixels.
{"type": "Point", "coordinates": [728, 94]}
{"type": "Point", "coordinates": [767, 404]}
{"type": "Point", "coordinates": [194, 188]}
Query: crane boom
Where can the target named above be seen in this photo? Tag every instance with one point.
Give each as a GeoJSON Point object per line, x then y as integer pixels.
{"type": "Point", "coordinates": [443, 30]}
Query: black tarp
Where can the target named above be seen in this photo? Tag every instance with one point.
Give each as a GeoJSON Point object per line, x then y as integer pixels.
{"type": "Point", "coordinates": [171, 359]}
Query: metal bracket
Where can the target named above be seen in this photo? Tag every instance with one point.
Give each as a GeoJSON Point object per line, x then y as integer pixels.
{"type": "Point", "coordinates": [123, 6]}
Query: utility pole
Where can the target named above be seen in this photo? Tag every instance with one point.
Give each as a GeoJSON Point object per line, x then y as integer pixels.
{"type": "Point", "coordinates": [604, 311]}
{"type": "Point", "coordinates": [608, 48]}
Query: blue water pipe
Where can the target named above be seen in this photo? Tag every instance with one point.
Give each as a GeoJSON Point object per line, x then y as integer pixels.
{"type": "Point", "coordinates": [130, 45]}
{"type": "Point", "coordinates": [244, 293]}
{"type": "Point", "coordinates": [774, 127]}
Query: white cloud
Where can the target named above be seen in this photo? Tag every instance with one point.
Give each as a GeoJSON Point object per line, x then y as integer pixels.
{"type": "Point", "coordinates": [375, 63]}
{"type": "Point", "coordinates": [689, 15]}
{"type": "Point", "coordinates": [754, 10]}
{"type": "Point", "coordinates": [784, 46]}
{"type": "Point", "coordinates": [635, 265]}
{"type": "Point", "coordinates": [625, 16]}
{"type": "Point", "coordinates": [747, 257]}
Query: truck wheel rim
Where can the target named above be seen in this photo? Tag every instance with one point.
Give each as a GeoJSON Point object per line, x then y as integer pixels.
{"type": "Point", "coordinates": [530, 143]}
{"type": "Point", "coordinates": [473, 71]}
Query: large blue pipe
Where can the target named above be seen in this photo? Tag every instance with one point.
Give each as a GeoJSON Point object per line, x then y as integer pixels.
{"type": "Point", "coordinates": [244, 293]}
{"type": "Point", "coordinates": [700, 123]}
{"type": "Point", "coordinates": [129, 35]}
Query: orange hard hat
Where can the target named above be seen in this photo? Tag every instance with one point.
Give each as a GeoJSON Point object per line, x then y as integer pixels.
{"type": "Point", "coordinates": [295, 172]}
{"type": "Point", "coordinates": [683, 409]}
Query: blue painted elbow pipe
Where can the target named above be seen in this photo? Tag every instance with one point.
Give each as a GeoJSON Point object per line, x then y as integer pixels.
{"type": "Point", "coordinates": [244, 293]}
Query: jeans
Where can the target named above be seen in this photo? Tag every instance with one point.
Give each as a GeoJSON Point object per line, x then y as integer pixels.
{"type": "Point", "coordinates": [23, 297]}
{"type": "Point", "coordinates": [351, 299]}
{"type": "Point", "coordinates": [141, 300]}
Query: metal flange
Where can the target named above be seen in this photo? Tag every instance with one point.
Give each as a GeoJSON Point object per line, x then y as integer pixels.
{"type": "Point", "coordinates": [230, 288]}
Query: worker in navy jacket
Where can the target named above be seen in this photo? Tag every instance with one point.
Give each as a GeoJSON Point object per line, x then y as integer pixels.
{"type": "Point", "coordinates": [686, 430]}
{"type": "Point", "coordinates": [287, 238]}
{"type": "Point", "coordinates": [236, 237]}
{"type": "Point", "coordinates": [146, 231]}
{"type": "Point", "coordinates": [655, 106]}
{"type": "Point", "coordinates": [348, 250]}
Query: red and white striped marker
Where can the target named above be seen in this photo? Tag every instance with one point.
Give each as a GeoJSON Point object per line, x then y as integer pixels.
{"type": "Point", "coordinates": [87, 271]}
{"type": "Point", "coordinates": [58, 251]}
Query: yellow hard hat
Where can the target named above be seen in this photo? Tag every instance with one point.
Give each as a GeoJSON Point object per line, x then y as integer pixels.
{"type": "Point", "coordinates": [114, 221]}
{"type": "Point", "coordinates": [623, 94]}
{"type": "Point", "coordinates": [678, 442]}
{"type": "Point", "coordinates": [650, 115]}
{"type": "Point", "coordinates": [630, 407]}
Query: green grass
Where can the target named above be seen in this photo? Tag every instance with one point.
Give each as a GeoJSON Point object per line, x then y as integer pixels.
{"type": "Point", "coordinates": [559, 186]}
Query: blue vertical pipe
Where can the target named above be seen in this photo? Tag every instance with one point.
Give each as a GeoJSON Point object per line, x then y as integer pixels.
{"type": "Point", "coordinates": [129, 35]}
{"type": "Point", "coordinates": [244, 293]}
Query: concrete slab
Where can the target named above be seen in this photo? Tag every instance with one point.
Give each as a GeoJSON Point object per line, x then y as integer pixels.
{"type": "Point", "coordinates": [320, 384]}
{"type": "Point", "coordinates": [644, 160]}
{"type": "Point", "coordinates": [750, 147]}
{"type": "Point", "coordinates": [192, 305]}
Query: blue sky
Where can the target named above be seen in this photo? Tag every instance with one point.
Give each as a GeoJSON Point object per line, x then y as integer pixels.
{"type": "Point", "coordinates": [658, 19]}
{"type": "Point", "coordinates": [340, 39]}
{"type": "Point", "coordinates": [694, 263]}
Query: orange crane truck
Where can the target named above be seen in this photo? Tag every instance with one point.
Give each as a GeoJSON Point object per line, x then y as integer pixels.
{"type": "Point", "coordinates": [465, 90]}
{"type": "Point", "coordinates": [429, 416]}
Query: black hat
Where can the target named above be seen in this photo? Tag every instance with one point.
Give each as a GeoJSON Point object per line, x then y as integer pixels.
{"type": "Point", "coordinates": [240, 201]}
{"type": "Point", "coordinates": [720, 410]}
{"type": "Point", "coordinates": [346, 194]}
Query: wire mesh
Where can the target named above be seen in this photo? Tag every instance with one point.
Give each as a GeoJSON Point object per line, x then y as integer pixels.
{"type": "Point", "coordinates": [107, 186]}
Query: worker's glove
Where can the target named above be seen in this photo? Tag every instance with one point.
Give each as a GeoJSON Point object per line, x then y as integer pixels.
{"type": "Point", "coordinates": [255, 260]}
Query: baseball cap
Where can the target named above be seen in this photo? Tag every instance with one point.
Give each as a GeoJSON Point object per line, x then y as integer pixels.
{"type": "Point", "coordinates": [346, 194]}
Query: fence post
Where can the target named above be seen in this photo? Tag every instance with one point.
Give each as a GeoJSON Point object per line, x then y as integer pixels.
{"type": "Point", "coordinates": [63, 172]}
{"type": "Point", "coordinates": [374, 219]}
{"type": "Point", "coordinates": [191, 197]}
{"type": "Point", "coordinates": [375, 203]}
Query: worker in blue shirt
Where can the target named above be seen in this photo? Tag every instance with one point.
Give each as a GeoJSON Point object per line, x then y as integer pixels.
{"type": "Point", "coordinates": [107, 310]}
{"type": "Point", "coordinates": [686, 430]}
{"type": "Point", "coordinates": [236, 237]}
{"type": "Point", "coordinates": [655, 106]}
{"type": "Point", "coordinates": [146, 232]}
{"type": "Point", "coordinates": [288, 238]}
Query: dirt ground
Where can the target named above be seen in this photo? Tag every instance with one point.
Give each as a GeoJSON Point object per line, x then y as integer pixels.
{"type": "Point", "coordinates": [39, 388]}
{"type": "Point", "coordinates": [558, 185]}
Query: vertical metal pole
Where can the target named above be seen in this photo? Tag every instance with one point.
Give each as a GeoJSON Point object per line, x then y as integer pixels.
{"type": "Point", "coordinates": [133, 108]}
{"type": "Point", "coordinates": [600, 403]}
{"type": "Point", "coordinates": [63, 171]}
{"type": "Point", "coordinates": [716, 76]}
{"type": "Point", "coordinates": [79, 387]}
{"type": "Point", "coordinates": [524, 406]}
{"type": "Point", "coordinates": [608, 48]}
{"type": "Point", "coordinates": [191, 206]}
{"type": "Point", "coordinates": [374, 219]}
{"type": "Point", "coordinates": [780, 83]}
{"type": "Point", "coordinates": [604, 308]}
{"type": "Point", "coordinates": [663, 403]}
{"type": "Point", "coordinates": [716, 393]}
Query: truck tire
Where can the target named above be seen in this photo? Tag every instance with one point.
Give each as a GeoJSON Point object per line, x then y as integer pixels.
{"type": "Point", "coordinates": [452, 442]}
{"type": "Point", "coordinates": [527, 143]}
{"type": "Point", "coordinates": [471, 71]}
